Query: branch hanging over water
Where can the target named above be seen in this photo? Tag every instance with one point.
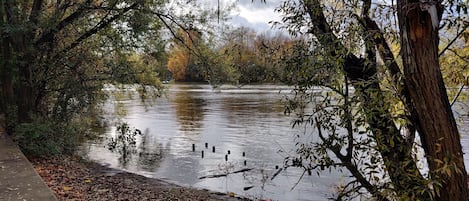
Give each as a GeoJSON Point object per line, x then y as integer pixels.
{"type": "Point", "coordinates": [224, 175]}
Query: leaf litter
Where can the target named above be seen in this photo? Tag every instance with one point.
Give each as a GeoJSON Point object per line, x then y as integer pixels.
{"type": "Point", "coordinates": [73, 179]}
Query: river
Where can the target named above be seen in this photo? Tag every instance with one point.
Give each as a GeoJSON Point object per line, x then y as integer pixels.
{"type": "Point", "coordinates": [247, 122]}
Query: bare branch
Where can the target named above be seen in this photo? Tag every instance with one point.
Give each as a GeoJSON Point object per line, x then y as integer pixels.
{"type": "Point", "coordinates": [352, 168]}
{"type": "Point", "coordinates": [101, 25]}
{"type": "Point", "coordinates": [348, 121]}
{"type": "Point", "coordinates": [299, 179]}
{"type": "Point", "coordinates": [464, 29]}
{"type": "Point", "coordinates": [162, 17]}
{"type": "Point", "coordinates": [457, 95]}
{"type": "Point", "coordinates": [464, 58]}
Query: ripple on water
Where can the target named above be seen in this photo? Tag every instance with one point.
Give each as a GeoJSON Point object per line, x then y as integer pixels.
{"type": "Point", "coordinates": [248, 119]}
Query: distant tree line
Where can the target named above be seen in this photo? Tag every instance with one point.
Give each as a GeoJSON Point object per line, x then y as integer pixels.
{"type": "Point", "coordinates": [238, 56]}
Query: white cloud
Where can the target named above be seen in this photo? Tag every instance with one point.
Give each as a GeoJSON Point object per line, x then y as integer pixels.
{"type": "Point", "coordinates": [255, 14]}
{"type": "Point", "coordinates": [239, 21]}
{"type": "Point", "coordinates": [258, 15]}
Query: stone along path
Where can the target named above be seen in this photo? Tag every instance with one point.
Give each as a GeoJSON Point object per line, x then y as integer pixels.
{"type": "Point", "coordinates": [18, 179]}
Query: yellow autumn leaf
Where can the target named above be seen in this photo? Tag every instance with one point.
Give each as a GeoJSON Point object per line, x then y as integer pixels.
{"type": "Point", "coordinates": [66, 188]}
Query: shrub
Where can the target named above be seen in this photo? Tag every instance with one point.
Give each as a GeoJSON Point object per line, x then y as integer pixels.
{"type": "Point", "coordinates": [43, 137]}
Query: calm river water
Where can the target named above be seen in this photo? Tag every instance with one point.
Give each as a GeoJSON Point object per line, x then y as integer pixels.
{"type": "Point", "coordinates": [247, 120]}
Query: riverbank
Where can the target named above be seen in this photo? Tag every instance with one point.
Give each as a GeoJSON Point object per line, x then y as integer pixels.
{"type": "Point", "coordinates": [72, 178]}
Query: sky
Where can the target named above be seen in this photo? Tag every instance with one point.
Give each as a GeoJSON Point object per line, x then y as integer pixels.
{"type": "Point", "coordinates": [253, 13]}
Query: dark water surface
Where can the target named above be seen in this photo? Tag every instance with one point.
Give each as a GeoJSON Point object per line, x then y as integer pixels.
{"type": "Point", "coordinates": [248, 119]}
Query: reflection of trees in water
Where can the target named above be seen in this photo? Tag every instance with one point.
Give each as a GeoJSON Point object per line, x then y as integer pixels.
{"type": "Point", "coordinates": [147, 154]}
{"type": "Point", "coordinates": [236, 107]}
{"type": "Point", "coordinates": [151, 152]}
{"type": "Point", "coordinates": [189, 111]}
{"type": "Point", "coordinates": [124, 143]}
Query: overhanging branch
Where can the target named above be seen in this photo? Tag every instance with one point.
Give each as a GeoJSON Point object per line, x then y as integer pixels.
{"type": "Point", "coordinates": [101, 25]}
{"type": "Point", "coordinates": [65, 22]}
{"type": "Point", "coordinates": [464, 29]}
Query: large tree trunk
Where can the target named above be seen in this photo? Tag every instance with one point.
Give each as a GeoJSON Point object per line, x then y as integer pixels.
{"type": "Point", "coordinates": [6, 81]}
{"type": "Point", "coordinates": [24, 90]}
{"type": "Point", "coordinates": [25, 95]}
{"type": "Point", "coordinates": [419, 48]}
{"type": "Point", "coordinates": [21, 57]}
{"type": "Point", "coordinates": [7, 95]}
{"type": "Point", "coordinates": [394, 149]}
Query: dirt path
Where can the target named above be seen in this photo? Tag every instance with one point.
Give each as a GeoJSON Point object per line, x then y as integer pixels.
{"type": "Point", "coordinates": [71, 178]}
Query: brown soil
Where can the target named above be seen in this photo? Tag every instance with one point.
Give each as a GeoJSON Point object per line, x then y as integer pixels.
{"type": "Point", "coordinates": [72, 178]}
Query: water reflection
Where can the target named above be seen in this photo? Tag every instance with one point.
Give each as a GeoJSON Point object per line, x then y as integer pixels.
{"type": "Point", "coordinates": [124, 143]}
{"type": "Point", "coordinates": [121, 150]}
{"type": "Point", "coordinates": [151, 152]}
{"type": "Point", "coordinates": [248, 120]}
{"type": "Point", "coordinates": [189, 111]}
{"type": "Point", "coordinates": [264, 106]}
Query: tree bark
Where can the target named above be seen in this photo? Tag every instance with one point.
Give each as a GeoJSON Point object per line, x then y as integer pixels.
{"type": "Point", "coordinates": [23, 61]}
{"type": "Point", "coordinates": [6, 76]}
{"type": "Point", "coordinates": [394, 149]}
{"type": "Point", "coordinates": [6, 81]}
{"type": "Point", "coordinates": [418, 24]}
{"type": "Point", "coordinates": [17, 56]}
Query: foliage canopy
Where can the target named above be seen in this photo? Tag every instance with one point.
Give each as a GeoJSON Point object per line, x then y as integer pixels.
{"type": "Point", "coordinates": [364, 101]}
{"type": "Point", "coordinates": [56, 56]}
